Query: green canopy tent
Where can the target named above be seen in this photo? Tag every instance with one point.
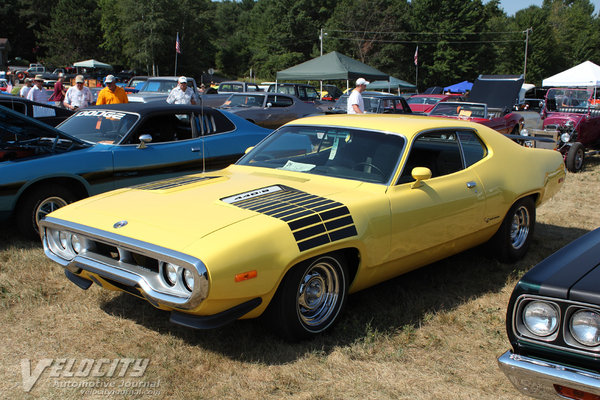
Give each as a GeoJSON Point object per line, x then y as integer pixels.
{"type": "Point", "coordinates": [332, 66]}
{"type": "Point", "coordinates": [393, 83]}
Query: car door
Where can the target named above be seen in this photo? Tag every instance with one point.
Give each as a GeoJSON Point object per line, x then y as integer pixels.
{"type": "Point", "coordinates": [443, 212]}
{"type": "Point", "coordinates": [175, 150]}
{"type": "Point", "coordinates": [279, 111]}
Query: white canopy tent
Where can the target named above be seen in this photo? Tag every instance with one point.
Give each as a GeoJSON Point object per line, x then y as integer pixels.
{"type": "Point", "coordinates": [586, 74]}
{"type": "Point", "coordinates": [92, 64]}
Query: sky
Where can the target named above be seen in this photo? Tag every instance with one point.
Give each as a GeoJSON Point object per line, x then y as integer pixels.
{"type": "Point", "coordinates": [512, 6]}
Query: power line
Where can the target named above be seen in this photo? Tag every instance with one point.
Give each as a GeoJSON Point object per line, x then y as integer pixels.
{"type": "Point", "coordinates": [427, 42]}
{"type": "Point", "coordinates": [425, 33]}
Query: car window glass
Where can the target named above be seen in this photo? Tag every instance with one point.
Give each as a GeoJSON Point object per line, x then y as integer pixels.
{"type": "Point", "coordinates": [439, 151]}
{"type": "Point", "coordinates": [472, 147]}
{"type": "Point", "coordinates": [311, 93]}
{"type": "Point", "coordinates": [164, 128]}
{"type": "Point", "coordinates": [211, 122]}
{"type": "Point", "coordinates": [18, 107]}
{"type": "Point", "coordinates": [99, 126]}
{"type": "Point", "coordinates": [338, 152]}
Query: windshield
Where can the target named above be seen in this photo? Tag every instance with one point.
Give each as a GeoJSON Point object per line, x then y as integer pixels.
{"type": "Point", "coordinates": [557, 98]}
{"type": "Point", "coordinates": [330, 151]}
{"type": "Point", "coordinates": [244, 100]}
{"type": "Point", "coordinates": [423, 100]}
{"type": "Point", "coordinates": [464, 110]}
{"type": "Point", "coordinates": [158, 86]}
{"type": "Point", "coordinates": [99, 126]}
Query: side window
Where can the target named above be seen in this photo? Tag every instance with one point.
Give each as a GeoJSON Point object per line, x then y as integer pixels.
{"type": "Point", "coordinates": [213, 122]}
{"type": "Point", "coordinates": [165, 128]}
{"type": "Point", "coordinates": [439, 151]}
{"type": "Point", "coordinates": [302, 93]}
{"type": "Point", "coordinates": [472, 147]}
{"type": "Point", "coordinates": [18, 107]}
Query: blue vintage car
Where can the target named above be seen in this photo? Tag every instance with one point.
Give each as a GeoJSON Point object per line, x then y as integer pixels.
{"type": "Point", "coordinates": [107, 147]}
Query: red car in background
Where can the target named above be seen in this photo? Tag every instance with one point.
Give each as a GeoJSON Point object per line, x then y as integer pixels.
{"type": "Point", "coordinates": [423, 103]}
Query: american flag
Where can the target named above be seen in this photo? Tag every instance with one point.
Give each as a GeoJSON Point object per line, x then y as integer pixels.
{"type": "Point", "coordinates": [177, 45]}
{"type": "Point", "coordinates": [417, 56]}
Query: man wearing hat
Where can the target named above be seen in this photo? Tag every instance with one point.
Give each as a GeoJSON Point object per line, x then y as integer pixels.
{"type": "Point", "coordinates": [26, 87]}
{"type": "Point", "coordinates": [182, 94]}
{"type": "Point", "coordinates": [36, 93]}
{"type": "Point", "coordinates": [111, 94]}
{"type": "Point", "coordinates": [78, 96]}
{"type": "Point", "coordinates": [59, 91]}
{"type": "Point", "coordinates": [355, 101]}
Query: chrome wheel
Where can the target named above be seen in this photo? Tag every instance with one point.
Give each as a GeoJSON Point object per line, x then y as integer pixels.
{"type": "Point", "coordinates": [519, 229]}
{"type": "Point", "coordinates": [319, 294]}
{"type": "Point", "coordinates": [48, 205]}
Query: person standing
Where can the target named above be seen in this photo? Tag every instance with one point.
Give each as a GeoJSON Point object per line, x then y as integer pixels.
{"type": "Point", "coordinates": [59, 91]}
{"type": "Point", "coordinates": [78, 96]}
{"type": "Point", "coordinates": [355, 101]}
{"type": "Point", "coordinates": [111, 94]}
{"type": "Point", "coordinates": [182, 94]}
{"type": "Point", "coordinates": [36, 93]}
{"type": "Point", "coordinates": [26, 87]}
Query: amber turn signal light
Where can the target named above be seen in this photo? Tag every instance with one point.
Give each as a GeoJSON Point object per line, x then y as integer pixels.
{"type": "Point", "coordinates": [245, 276]}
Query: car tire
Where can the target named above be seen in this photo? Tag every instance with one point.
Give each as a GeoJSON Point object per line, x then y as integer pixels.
{"type": "Point", "coordinates": [310, 298]}
{"type": "Point", "coordinates": [511, 242]}
{"type": "Point", "coordinates": [575, 157]}
{"type": "Point", "coordinates": [39, 202]}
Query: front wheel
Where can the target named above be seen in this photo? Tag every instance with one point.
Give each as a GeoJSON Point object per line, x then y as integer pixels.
{"type": "Point", "coordinates": [310, 298]}
{"type": "Point", "coordinates": [512, 240]}
{"type": "Point", "coordinates": [38, 203]}
{"type": "Point", "coordinates": [575, 157]}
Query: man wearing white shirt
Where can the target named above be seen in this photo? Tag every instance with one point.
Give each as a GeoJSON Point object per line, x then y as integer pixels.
{"type": "Point", "coordinates": [26, 88]}
{"type": "Point", "coordinates": [78, 96]}
{"type": "Point", "coordinates": [355, 101]}
{"type": "Point", "coordinates": [36, 93]}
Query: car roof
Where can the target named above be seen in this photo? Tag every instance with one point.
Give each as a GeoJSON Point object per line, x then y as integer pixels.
{"type": "Point", "coordinates": [150, 107]}
{"type": "Point", "coordinates": [407, 125]}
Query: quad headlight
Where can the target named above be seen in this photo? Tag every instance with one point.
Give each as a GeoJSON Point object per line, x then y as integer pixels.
{"type": "Point", "coordinates": [64, 244]}
{"type": "Point", "coordinates": [175, 275]}
{"type": "Point", "coordinates": [170, 273]}
{"type": "Point", "coordinates": [188, 279]}
{"type": "Point", "coordinates": [585, 327]}
{"type": "Point", "coordinates": [540, 318]}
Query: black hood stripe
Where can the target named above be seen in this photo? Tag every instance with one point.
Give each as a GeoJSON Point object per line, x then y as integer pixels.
{"type": "Point", "coordinates": [172, 183]}
{"type": "Point", "coordinates": [313, 220]}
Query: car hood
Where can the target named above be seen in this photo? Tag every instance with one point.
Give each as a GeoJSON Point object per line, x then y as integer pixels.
{"type": "Point", "coordinates": [562, 118]}
{"type": "Point", "coordinates": [144, 97]}
{"type": "Point", "coordinates": [571, 273]}
{"type": "Point", "coordinates": [496, 92]}
{"type": "Point", "coordinates": [162, 212]}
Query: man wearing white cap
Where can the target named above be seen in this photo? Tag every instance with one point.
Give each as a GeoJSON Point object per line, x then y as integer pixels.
{"type": "Point", "coordinates": [182, 94]}
{"type": "Point", "coordinates": [355, 101]}
{"type": "Point", "coordinates": [111, 94]}
{"type": "Point", "coordinates": [78, 96]}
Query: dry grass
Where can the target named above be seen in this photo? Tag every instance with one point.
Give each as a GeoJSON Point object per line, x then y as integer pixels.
{"type": "Point", "coordinates": [433, 333]}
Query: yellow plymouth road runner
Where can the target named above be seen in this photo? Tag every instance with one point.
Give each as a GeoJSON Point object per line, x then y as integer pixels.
{"type": "Point", "coordinates": [323, 207]}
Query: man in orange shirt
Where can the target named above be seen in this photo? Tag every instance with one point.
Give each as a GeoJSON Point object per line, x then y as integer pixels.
{"type": "Point", "coordinates": [111, 94]}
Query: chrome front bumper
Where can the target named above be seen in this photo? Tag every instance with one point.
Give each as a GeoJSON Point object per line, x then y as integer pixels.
{"type": "Point", "coordinates": [537, 378]}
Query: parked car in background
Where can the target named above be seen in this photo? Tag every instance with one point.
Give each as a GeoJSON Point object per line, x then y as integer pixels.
{"type": "Point", "coordinates": [106, 147]}
{"type": "Point", "coordinates": [229, 87]}
{"type": "Point", "coordinates": [135, 83]}
{"type": "Point", "coordinates": [423, 103]}
{"type": "Point", "coordinates": [269, 110]}
{"type": "Point", "coordinates": [572, 121]}
{"type": "Point", "coordinates": [331, 93]}
{"type": "Point", "coordinates": [304, 92]}
{"type": "Point", "coordinates": [375, 102]}
{"type": "Point", "coordinates": [43, 112]}
{"type": "Point", "coordinates": [502, 121]}
{"type": "Point", "coordinates": [323, 207]}
{"type": "Point", "coordinates": [553, 324]}
{"type": "Point", "coordinates": [158, 89]}
{"type": "Point", "coordinates": [3, 85]}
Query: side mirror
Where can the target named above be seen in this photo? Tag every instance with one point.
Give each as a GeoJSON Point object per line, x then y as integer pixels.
{"type": "Point", "coordinates": [145, 138]}
{"type": "Point", "coordinates": [269, 105]}
{"type": "Point", "coordinates": [248, 149]}
{"type": "Point", "coordinates": [420, 174]}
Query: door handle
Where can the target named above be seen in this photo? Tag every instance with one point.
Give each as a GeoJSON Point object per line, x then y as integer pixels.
{"type": "Point", "coordinates": [196, 149]}
{"type": "Point", "coordinates": [471, 184]}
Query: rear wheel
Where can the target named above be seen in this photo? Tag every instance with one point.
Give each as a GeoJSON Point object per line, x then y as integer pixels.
{"type": "Point", "coordinates": [575, 157]}
{"type": "Point", "coordinates": [310, 298]}
{"type": "Point", "coordinates": [38, 203]}
{"type": "Point", "coordinates": [512, 240]}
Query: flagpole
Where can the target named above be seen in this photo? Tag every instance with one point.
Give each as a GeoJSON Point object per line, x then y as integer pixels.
{"type": "Point", "coordinates": [417, 69]}
{"type": "Point", "coordinates": [176, 43]}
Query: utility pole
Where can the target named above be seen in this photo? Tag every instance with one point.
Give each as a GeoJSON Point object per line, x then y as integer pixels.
{"type": "Point", "coordinates": [526, 45]}
{"type": "Point", "coordinates": [321, 35]}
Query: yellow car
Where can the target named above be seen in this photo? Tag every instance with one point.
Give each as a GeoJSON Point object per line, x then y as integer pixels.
{"type": "Point", "coordinates": [323, 207]}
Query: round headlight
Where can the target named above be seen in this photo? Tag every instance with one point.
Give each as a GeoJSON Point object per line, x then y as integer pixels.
{"type": "Point", "coordinates": [585, 327]}
{"type": "Point", "coordinates": [76, 243]}
{"type": "Point", "coordinates": [524, 132]}
{"type": "Point", "coordinates": [540, 318]}
{"type": "Point", "coordinates": [170, 273]}
{"type": "Point", "coordinates": [565, 137]}
{"type": "Point", "coordinates": [63, 237]}
{"type": "Point", "coordinates": [188, 279]}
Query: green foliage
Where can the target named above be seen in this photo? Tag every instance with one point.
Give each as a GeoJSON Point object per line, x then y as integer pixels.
{"type": "Point", "coordinates": [458, 40]}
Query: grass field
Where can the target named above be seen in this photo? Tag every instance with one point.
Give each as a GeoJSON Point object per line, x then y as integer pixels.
{"type": "Point", "coordinates": [431, 334]}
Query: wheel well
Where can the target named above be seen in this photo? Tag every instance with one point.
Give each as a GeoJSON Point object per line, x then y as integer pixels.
{"type": "Point", "coordinates": [74, 185]}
